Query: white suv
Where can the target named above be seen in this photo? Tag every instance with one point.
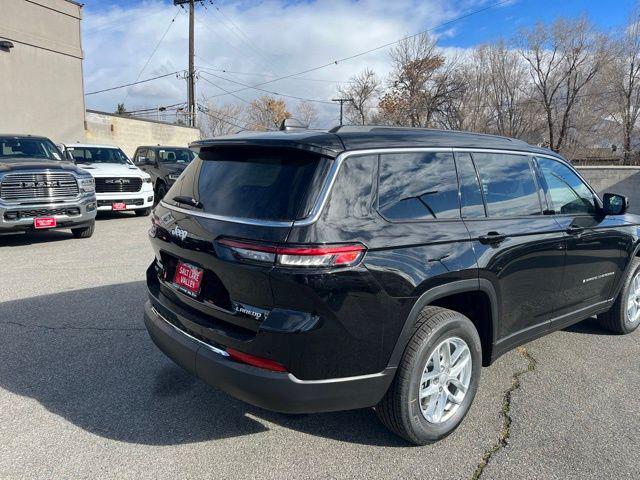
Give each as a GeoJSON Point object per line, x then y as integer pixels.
{"type": "Point", "coordinates": [120, 185]}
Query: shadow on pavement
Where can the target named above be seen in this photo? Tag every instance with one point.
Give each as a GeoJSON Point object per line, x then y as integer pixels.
{"type": "Point", "coordinates": [107, 215]}
{"type": "Point", "coordinates": [85, 355]}
{"type": "Point", "coordinates": [33, 237]}
{"type": "Point", "coordinates": [590, 326]}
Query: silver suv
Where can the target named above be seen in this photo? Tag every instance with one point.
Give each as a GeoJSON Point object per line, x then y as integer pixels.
{"type": "Point", "coordinates": [39, 189]}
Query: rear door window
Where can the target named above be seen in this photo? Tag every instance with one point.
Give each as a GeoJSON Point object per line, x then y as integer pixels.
{"type": "Point", "coordinates": [471, 202]}
{"type": "Point", "coordinates": [508, 184]}
{"type": "Point", "coordinates": [262, 184]}
{"type": "Point", "coordinates": [418, 186]}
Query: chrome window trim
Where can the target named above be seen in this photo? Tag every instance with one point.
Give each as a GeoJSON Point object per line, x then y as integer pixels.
{"type": "Point", "coordinates": [323, 197]}
{"type": "Point", "coordinates": [223, 218]}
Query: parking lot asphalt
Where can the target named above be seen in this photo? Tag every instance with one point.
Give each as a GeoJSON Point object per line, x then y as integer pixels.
{"type": "Point", "coordinates": [84, 393]}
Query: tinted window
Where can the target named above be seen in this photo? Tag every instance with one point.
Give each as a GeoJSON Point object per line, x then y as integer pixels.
{"type": "Point", "coordinates": [151, 155]}
{"type": "Point", "coordinates": [175, 155]}
{"type": "Point", "coordinates": [264, 184]}
{"type": "Point", "coordinates": [567, 192]}
{"type": "Point", "coordinates": [471, 202]}
{"type": "Point", "coordinates": [17, 148]}
{"type": "Point", "coordinates": [418, 186]}
{"type": "Point", "coordinates": [139, 155]}
{"type": "Point", "coordinates": [508, 184]}
{"type": "Point", "coordinates": [97, 155]}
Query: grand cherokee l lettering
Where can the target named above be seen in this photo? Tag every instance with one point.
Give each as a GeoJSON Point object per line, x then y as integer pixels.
{"type": "Point", "coordinates": [379, 267]}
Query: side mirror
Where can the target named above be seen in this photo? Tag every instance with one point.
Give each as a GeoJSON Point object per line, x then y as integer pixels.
{"type": "Point", "coordinates": [615, 204]}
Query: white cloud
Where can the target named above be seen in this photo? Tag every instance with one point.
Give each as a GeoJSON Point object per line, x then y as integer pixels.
{"type": "Point", "coordinates": [283, 38]}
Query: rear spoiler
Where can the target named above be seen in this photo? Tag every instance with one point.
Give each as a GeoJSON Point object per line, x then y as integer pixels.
{"type": "Point", "coordinates": [331, 146]}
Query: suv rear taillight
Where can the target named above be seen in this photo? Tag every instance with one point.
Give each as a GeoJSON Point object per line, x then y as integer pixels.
{"type": "Point", "coordinates": [318, 256]}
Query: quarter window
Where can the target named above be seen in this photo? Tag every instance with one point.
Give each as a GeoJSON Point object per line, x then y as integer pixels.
{"type": "Point", "coordinates": [508, 184]}
{"type": "Point", "coordinates": [418, 186]}
{"type": "Point", "coordinates": [568, 194]}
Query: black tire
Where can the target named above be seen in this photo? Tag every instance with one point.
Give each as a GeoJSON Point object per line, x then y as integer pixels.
{"type": "Point", "coordinates": [616, 319]}
{"type": "Point", "coordinates": [161, 191]}
{"type": "Point", "coordinates": [84, 232]}
{"type": "Point", "coordinates": [400, 410]}
{"type": "Point", "coordinates": [143, 212]}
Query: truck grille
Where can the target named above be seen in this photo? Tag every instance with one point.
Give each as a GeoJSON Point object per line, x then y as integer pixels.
{"type": "Point", "coordinates": [118, 184]}
{"type": "Point", "coordinates": [26, 186]}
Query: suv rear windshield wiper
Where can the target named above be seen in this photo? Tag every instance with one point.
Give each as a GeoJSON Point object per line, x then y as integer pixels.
{"type": "Point", "coordinates": [188, 201]}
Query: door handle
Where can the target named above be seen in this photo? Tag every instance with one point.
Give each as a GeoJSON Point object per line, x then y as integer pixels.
{"type": "Point", "coordinates": [492, 238]}
{"type": "Point", "coordinates": [574, 230]}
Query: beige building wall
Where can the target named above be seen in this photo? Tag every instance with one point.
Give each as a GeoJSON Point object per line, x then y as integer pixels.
{"type": "Point", "coordinates": [129, 133]}
{"type": "Point", "coordinates": [41, 85]}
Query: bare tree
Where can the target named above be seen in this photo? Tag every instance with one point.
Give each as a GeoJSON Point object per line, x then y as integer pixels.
{"type": "Point", "coordinates": [420, 84]}
{"type": "Point", "coordinates": [222, 119]}
{"type": "Point", "coordinates": [622, 77]}
{"type": "Point", "coordinates": [362, 90]}
{"type": "Point", "coordinates": [563, 59]}
{"type": "Point", "coordinates": [267, 113]}
{"type": "Point", "coordinates": [307, 113]}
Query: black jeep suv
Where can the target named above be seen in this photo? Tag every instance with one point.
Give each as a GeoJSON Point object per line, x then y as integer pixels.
{"type": "Point", "coordinates": [163, 164]}
{"type": "Point", "coordinates": [373, 266]}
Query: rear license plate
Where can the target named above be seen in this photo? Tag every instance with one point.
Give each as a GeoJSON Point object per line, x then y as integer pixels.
{"type": "Point", "coordinates": [118, 206]}
{"type": "Point", "coordinates": [44, 222]}
{"type": "Point", "coordinates": [188, 278]}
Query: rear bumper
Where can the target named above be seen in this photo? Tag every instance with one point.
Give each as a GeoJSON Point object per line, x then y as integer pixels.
{"type": "Point", "coordinates": [281, 392]}
{"type": "Point", "coordinates": [76, 214]}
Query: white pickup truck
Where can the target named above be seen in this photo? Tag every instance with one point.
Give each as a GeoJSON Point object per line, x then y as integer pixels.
{"type": "Point", "coordinates": [120, 185]}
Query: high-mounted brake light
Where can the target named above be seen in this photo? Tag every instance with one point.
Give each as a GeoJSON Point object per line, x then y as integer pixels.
{"type": "Point", "coordinates": [297, 255]}
{"type": "Point", "coordinates": [255, 361]}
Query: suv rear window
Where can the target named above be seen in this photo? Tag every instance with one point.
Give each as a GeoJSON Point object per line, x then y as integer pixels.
{"type": "Point", "coordinates": [262, 184]}
{"type": "Point", "coordinates": [418, 186]}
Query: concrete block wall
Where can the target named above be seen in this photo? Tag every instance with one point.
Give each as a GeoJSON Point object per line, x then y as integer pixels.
{"type": "Point", "coordinates": [129, 133]}
{"type": "Point", "coordinates": [622, 180]}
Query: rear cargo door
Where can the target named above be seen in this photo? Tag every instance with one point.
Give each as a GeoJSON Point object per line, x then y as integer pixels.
{"type": "Point", "coordinates": [240, 193]}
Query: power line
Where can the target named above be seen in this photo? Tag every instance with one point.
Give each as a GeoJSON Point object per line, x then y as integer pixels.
{"type": "Point", "coordinates": [243, 37]}
{"type": "Point", "coordinates": [379, 47]}
{"type": "Point", "coordinates": [134, 83]}
{"type": "Point", "coordinates": [207, 112]}
{"type": "Point", "coordinates": [166, 107]}
{"type": "Point", "coordinates": [255, 74]}
{"type": "Point", "coordinates": [267, 91]}
{"type": "Point", "coordinates": [154, 52]}
{"type": "Point", "coordinates": [225, 90]}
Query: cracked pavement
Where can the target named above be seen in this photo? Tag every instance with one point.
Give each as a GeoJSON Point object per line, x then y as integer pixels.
{"type": "Point", "coordinates": [84, 393]}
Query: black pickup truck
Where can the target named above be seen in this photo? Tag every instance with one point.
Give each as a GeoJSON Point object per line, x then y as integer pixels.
{"type": "Point", "coordinates": [39, 189]}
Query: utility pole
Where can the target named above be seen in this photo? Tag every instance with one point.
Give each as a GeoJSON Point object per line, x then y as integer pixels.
{"type": "Point", "coordinates": [342, 101]}
{"type": "Point", "coordinates": [191, 76]}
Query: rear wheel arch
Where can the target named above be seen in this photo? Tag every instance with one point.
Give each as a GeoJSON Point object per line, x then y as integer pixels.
{"type": "Point", "coordinates": [461, 296]}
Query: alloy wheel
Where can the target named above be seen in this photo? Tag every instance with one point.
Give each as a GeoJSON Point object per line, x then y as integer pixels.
{"type": "Point", "coordinates": [445, 379]}
{"type": "Point", "coordinates": [633, 299]}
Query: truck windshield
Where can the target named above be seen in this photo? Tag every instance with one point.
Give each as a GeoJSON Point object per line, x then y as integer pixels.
{"type": "Point", "coordinates": [176, 155]}
{"type": "Point", "coordinates": [98, 155]}
{"type": "Point", "coordinates": [20, 148]}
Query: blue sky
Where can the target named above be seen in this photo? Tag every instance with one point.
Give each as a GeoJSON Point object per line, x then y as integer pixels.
{"type": "Point", "coordinates": [275, 37]}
